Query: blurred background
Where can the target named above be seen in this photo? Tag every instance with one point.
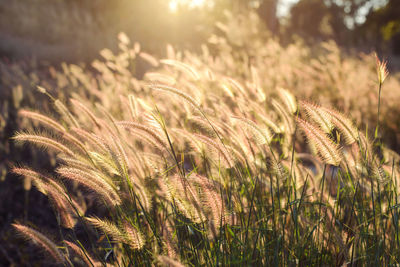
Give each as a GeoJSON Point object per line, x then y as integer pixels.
{"type": "Point", "coordinates": [75, 30]}
{"type": "Point", "coordinates": [289, 43]}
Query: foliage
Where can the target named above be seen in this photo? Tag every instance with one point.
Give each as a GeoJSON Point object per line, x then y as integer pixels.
{"type": "Point", "coordinates": [383, 26]}
{"type": "Point", "coordinates": [207, 160]}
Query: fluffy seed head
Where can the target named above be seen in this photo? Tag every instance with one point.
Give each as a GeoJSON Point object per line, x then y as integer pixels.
{"type": "Point", "coordinates": [326, 149]}
{"type": "Point", "coordinates": [42, 241]}
{"type": "Point", "coordinates": [381, 68]}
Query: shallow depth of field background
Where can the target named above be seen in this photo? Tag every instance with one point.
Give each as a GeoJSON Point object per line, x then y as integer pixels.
{"type": "Point", "coordinates": [321, 51]}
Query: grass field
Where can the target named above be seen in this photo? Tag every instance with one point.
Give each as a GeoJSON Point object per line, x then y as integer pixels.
{"type": "Point", "coordinates": [247, 153]}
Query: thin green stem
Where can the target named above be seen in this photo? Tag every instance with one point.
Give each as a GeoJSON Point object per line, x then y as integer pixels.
{"type": "Point", "coordinates": [379, 109]}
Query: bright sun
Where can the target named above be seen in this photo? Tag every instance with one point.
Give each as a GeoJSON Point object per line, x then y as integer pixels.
{"type": "Point", "coordinates": [197, 3]}
{"type": "Point", "coordinates": [174, 4]}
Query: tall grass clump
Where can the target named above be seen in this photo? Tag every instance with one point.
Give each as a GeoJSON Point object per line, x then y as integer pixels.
{"type": "Point", "coordinates": [202, 163]}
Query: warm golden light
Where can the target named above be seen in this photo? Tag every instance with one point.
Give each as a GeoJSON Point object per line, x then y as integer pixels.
{"type": "Point", "coordinates": [197, 3]}
{"type": "Point", "coordinates": [174, 4]}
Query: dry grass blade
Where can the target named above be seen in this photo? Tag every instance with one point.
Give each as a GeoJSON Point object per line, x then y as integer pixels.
{"type": "Point", "coordinates": [319, 116]}
{"type": "Point", "coordinates": [180, 192]}
{"type": "Point", "coordinates": [185, 68]}
{"type": "Point", "coordinates": [133, 106]}
{"type": "Point", "coordinates": [92, 182]}
{"type": "Point", "coordinates": [43, 119]}
{"type": "Point", "coordinates": [326, 149]}
{"type": "Point", "coordinates": [169, 241]}
{"type": "Point", "coordinates": [261, 136]}
{"type": "Point", "coordinates": [235, 84]}
{"type": "Point", "coordinates": [149, 132]}
{"type": "Point", "coordinates": [149, 58]}
{"type": "Point", "coordinates": [168, 262]}
{"type": "Point", "coordinates": [327, 119]}
{"type": "Point", "coordinates": [83, 254]}
{"type": "Point", "coordinates": [160, 78]}
{"type": "Point", "coordinates": [379, 174]}
{"type": "Point", "coordinates": [64, 205]}
{"type": "Point", "coordinates": [344, 125]}
{"type": "Point", "coordinates": [214, 146]}
{"type": "Point", "coordinates": [212, 200]}
{"type": "Point", "coordinates": [42, 241]}
{"type": "Point", "coordinates": [269, 123]}
{"type": "Point", "coordinates": [134, 237]}
{"type": "Point", "coordinates": [76, 163]}
{"type": "Point", "coordinates": [381, 69]}
{"type": "Point", "coordinates": [108, 228]}
{"type": "Point", "coordinates": [64, 112]}
{"type": "Point", "coordinates": [43, 142]}
{"type": "Point", "coordinates": [83, 108]}
{"type": "Point", "coordinates": [144, 196]}
{"type": "Point", "coordinates": [128, 235]}
{"type": "Point", "coordinates": [287, 118]}
{"type": "Point", "coordinates": [28, 173]}
{"type": "Point", "coordinates": [204, 127]}
{"type": "Point", "coordinates": [184, 165]}
{"type": "Point", "coordinates": [169, 89]}
{"type": "Point", "coordinates": [288, 99]}
{"type": "Point", "coordinates": [57, 197]}
{"type": "Point", "coordinates": [95, 141]}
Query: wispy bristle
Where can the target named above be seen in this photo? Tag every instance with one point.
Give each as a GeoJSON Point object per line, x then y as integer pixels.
{"type": "Point", "coordinates": [43, 119]}
{"type": "Point", "coordinates": [344, 125]}
{"type": "Point", "coordinates": [381, 69]}
{"type": "Point", "coordinates": [83, 254]}
{"type": "Point", "coordinates": [134, 237]}
{"type": "Point", "coordinates": [214, 146]}
{"type": "Point", "coordinates": [107, 227]}
{"type": "Point", "coordinates": [149, 58]}
{"type": "Point", "coordinates": [177, 93]}
{"type": "Point", "coordinates": [42, 241]}
{"type": "Point", "coordinates": [83, 108]}
{"type": "Point", "coordinates": [319, 116]}
{"type": "Point", "coordinates": [185, 68]}
{"type": "Point", "coordinates": [261, 136]}
{"type": "Point", "coordinates": [288, 99]}
{"type": "Point", "coordinates": [92, 182]}
{"type": "Point", "coordinates": [168, 262]}
{"type": "Point", "coordinates": [43, 142]}
{"type": "Point", "coordinates": [327, 150]}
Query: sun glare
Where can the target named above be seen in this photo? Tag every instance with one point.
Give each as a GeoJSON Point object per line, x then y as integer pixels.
{"type": "Point", "coordinates": [196, 3]}
{"type": "Point", "coordinates": [174, 4]}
